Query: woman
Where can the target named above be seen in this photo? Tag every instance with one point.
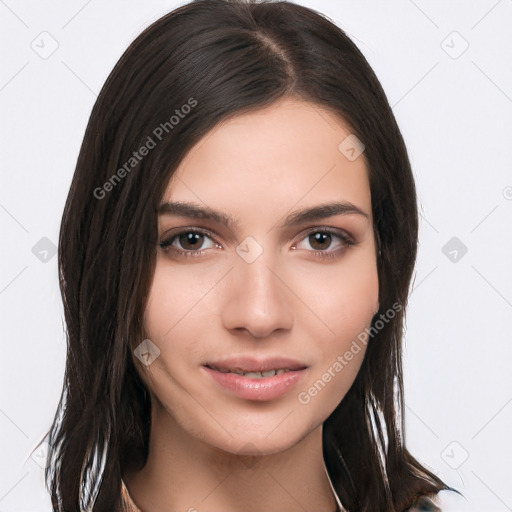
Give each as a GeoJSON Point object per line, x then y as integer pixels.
{"type": "Point", "coordinates": [235, 257]}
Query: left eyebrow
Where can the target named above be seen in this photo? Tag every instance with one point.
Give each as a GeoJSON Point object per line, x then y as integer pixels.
{"type": "Point", "coordinates": [321, 212]}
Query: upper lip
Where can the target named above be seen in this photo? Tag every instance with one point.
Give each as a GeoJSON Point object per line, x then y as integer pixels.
{"type": "Point", "coordinates": [251, 364]}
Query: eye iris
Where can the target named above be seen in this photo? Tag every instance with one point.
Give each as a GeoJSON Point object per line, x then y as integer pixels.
{"type": "Point", "coordinates": [321, 238]}
{"type": "Point", "coordinates": [195, 239]}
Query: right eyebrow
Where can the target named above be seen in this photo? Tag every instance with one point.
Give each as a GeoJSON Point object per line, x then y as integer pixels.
{"type": "Point", "coordinates": [194, 211]}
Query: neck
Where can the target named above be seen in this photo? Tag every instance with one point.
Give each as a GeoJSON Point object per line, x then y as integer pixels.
{"type": "Point", "coordinates": [184, 473]}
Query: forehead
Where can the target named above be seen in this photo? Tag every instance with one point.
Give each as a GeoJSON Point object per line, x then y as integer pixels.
{"type": "Point", "coordinates": [289, 152]}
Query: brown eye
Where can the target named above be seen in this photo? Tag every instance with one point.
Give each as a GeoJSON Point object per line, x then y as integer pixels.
{"type": "Point", "coordinates": [326, 242]}
{"type": "Point", "coordinates": [188, 242]}
{"type": "Point", "coordinates": [191, 240]}
{"type": "Point", "coordinates": [320, 241]}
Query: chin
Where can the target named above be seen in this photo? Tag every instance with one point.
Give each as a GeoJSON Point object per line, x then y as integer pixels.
{"type": "Point", "coordinates": [268, 439]}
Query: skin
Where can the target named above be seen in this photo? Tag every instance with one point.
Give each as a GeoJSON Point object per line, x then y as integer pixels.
{"type": "Point", "coordinates": [210, 449]}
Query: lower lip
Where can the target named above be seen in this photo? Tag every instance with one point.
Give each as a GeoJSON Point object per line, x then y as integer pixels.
{"type": "Point", "coordinates": [266, 388]}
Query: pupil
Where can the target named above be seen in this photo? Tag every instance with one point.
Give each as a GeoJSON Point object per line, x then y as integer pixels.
{"type": "Point", "coordinates": [321, 238]}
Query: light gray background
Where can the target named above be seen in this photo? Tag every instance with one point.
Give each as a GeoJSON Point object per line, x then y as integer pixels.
{"type": "Point", "coordinates": [455, 111]}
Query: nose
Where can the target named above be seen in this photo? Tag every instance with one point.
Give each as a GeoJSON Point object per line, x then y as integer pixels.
{"type": "Point", "coordinates": [257, 300]}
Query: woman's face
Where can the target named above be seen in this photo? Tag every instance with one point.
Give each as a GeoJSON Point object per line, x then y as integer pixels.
{"type": "Point", "coordinates": [263, 286]}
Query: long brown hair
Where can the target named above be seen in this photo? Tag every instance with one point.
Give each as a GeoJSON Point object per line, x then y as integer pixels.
{"type": "Point", "coordinates": [220, 58]}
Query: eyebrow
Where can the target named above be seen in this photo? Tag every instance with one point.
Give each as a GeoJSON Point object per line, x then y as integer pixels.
{"type": "Point", "coordinates": [298, 217]}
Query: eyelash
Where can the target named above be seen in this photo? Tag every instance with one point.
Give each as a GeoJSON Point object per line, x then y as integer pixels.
{"type": "Point", "coordinates": [347, 242]}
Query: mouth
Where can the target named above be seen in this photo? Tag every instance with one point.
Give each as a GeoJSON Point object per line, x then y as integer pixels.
{"type": "Point", "coordinates": [256, 380]}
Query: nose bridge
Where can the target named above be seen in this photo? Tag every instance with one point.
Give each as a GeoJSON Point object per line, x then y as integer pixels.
{"type": "Point", "coordinates": [256, 299]}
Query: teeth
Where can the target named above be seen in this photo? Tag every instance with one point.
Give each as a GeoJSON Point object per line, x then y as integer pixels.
{"type": "Point", "coordinates": [260, 375]}
{"type": "Point", "coordinates": [255, 375]}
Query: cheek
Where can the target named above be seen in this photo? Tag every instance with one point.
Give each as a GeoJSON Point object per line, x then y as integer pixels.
{"type": "Point", "coordinates": [354, 299]}
{"type": "Point", "coordinates": [176, 301]}
{"type": "Point", "coordinates": [344, 298]}
{"type": "Point", "coordinates": [173, 320]}
{"type": "Point", "coordinates": [346, 301]}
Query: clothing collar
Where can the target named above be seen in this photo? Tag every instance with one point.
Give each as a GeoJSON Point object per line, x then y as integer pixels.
{"type": "Point", "coordinates": [336, 497]}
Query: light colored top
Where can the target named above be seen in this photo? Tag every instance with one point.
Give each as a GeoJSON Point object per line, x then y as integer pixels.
{"type": "Point", "coordinates": [445, 501]}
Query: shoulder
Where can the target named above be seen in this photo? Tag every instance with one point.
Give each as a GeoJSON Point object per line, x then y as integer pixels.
{"type": "Point", "coordinates": [444, 501]}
